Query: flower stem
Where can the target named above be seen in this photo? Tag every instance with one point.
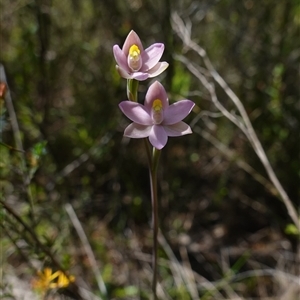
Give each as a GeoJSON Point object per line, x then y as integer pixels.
{"type": "Point", "coordinates": [153, 184]}
{"type": "Point", "coordinates": [132, 90]}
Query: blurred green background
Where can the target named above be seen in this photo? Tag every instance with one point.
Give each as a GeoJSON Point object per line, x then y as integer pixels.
{"type": "Point", "coordinates": [61, 72]}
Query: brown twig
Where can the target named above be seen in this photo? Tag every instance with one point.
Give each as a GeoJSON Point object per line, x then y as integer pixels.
{"type": "Point", "coordinates": [11, 148]}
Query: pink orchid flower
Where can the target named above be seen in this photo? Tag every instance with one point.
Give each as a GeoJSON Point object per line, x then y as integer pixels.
{"type": "Point", "coordinates": [156, 119]}
{"type": "Point", "coordinates": [133, 62]}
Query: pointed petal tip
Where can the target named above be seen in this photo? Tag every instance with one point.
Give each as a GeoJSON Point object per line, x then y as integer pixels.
{"type": "Point", "coordinates": [156, 91]}
{"type": "Point", "coordinates": [132, 38]}
{"type": "Point", "coordinates": [178, 129]}
{"type": "Point", "coordinates": [137, 131]}
{"type": "Point", "coordinates": [158, 69]}
{"type": "Point", "coordinates": [158, 137]}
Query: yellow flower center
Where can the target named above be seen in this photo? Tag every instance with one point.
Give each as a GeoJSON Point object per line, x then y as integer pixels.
{"type": "Point", "coordinates": [134, 58]}
{"type": "Point", "coordinates": [134, 51]}
{"type": "Point", "coordinates": [157, 105]}
{"type": "Point", "coordinates": [157, 114]}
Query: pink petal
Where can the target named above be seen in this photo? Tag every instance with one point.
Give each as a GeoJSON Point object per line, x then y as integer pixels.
{"type": "Point", "coordinates": [178, 129]}
{"type": "Point", "coordinates": [132, 39]}
{"type": "Point", "coordinates": [123, 73]}
{"type": "Point", "coordinates": [136, 75]}
{"type": "Point", "coordinates": [177, 111]}
{"type": "Point", "coordinates": [158, 69]}
{"type": "Point", "coordinates": [120, 58]}
{"type": "Point", "coordinates": [152, 55]}
{"type": "Point", "coordinates": [137, 131]}
{"type": "Point", "coordinates": [158, 137]}
{"type": "Point", "coordinates": [136, 112]}
{"type": "Point", "coordinates": [140, 76]}
{"type": "Point", "coordinates": [156, 91]}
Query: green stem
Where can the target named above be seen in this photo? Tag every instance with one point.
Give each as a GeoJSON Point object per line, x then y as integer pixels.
{"type": "Point", "coordinates": [153, 185]}
{"type": "Point", "coordinates": [132, 89]}
{"type": "Point", "coordinates": [132, 93]}
{"type": "Point", "coordinates": [148, 151]}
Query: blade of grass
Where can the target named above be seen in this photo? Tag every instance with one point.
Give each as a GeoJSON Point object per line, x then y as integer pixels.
{"type": "Point", "coordinates": [87, 248]}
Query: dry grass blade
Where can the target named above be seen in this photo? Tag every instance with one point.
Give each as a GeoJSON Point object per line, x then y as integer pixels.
{"type": "Point", "coordinates": [188, 273]}
{"type": "Point", "coordinates": [87, 247]}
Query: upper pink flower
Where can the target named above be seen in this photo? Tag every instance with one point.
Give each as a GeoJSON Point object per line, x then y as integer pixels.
{"type": "Point", "coordinates": [157, 119]}
{"type": "Point", "coordinates": [133, 62]}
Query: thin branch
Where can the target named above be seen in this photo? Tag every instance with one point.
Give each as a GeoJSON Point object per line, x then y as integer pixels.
{"type": "Point", "coordinates": [246, 126]}
{"type": "Point", "coordinates": [211, 89]}
{"type": "Point", "coordinates": [33, 234]}
{"type": "Point", "coordinates": [232, 156]}
{"type": "Point", "coordinates": [11, 148]}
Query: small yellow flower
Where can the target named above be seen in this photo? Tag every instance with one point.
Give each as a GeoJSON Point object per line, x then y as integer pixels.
{"type": "Point", "coordinates": [63, 280]}
{"type": "Point", "coordinates": [47, 280]}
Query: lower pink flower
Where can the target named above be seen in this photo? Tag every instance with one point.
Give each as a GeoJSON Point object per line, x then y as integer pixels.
{"type": "Point", "coordinates": [157, 119]}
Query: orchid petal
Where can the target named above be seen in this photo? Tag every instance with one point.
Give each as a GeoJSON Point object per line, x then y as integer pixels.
{"type": "Point", "coordinates": [177, 111]}
{"type": "Point", "coordinates": [132, 39]}
{"type": "Point", "coordinates": [137, 131]}
{"type": "Point", "coordinates": [156, 91]}
{"type": "Point", "coordinates": [158, 69]}
{"type": "Point", "coordinates": [158, 137]}
{"type": "Point", "coordinates": [140, 76]}
{"type": "Point", "coordinates": [123, 73]}
{"type": "Point", "coordinates": [152, 55]}
{"type": "Point", "coordinates": [120, 58]}
{"type": "Point", "coordinates": [136, 112]}
{"type": "Point", "coordinates": [136, 75]}
{"type": "Point", "coordinates": [178, 129]}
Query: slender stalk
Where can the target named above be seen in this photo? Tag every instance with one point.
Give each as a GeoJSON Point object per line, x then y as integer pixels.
{"type": "Point", "coordinates": [153, 158]}
{"type": "Point", "coordinates": [132, 89]}
{"type": "Point", "coordinates": [148, 151]}
{"type": "Point", "coordinates": [153, 186]}
{"type": "Point", "coordinates": [87, 247]}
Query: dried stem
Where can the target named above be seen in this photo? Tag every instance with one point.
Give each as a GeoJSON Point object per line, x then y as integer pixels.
{"type": "Point", "coordinates": [153, 158]}
{"type": "Point", "coordinates": [243, 121]}
{"type": "Point", "coordinates": [87, 248]}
